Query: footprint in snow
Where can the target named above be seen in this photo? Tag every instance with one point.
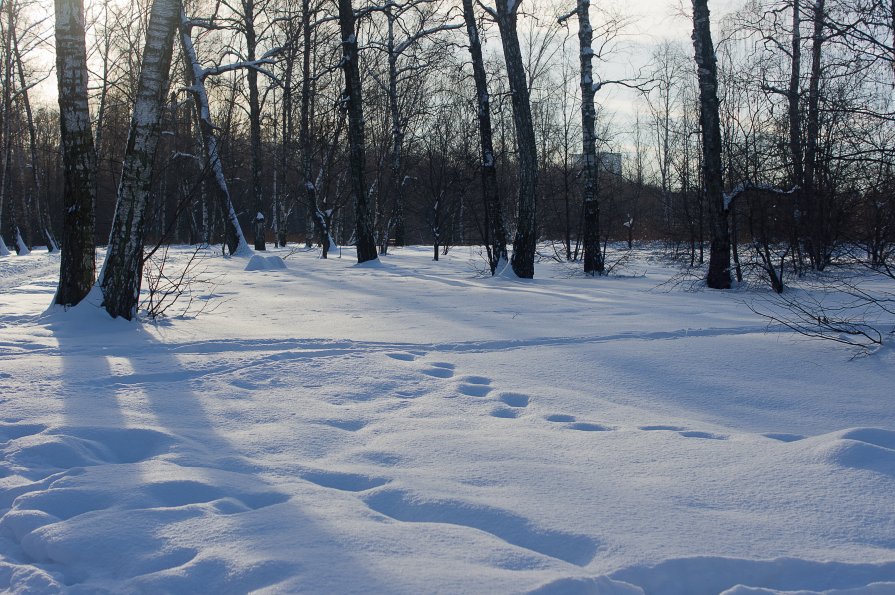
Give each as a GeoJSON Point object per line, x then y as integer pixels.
{"type": "Point", "coordinates": [560, 418]}
{"type": "Point", "coordinates": [505, 413]}
{"type": "Point", "coordinates": [440, 370]}
{"type": "Point", "coordinates": [784, 437]}
{"type": "Point", "coordinates": [346, 482]}
{"type": "Point", "coordinates": [702, 435]}
{"type": "Point", "coordinates": [515, 400]}
{"type": "Point", "coordinates": [503, 525]}
{"type": "Point", "coordinates": [474, 386]}
{"type": "Point", "coordinates": [584, 426]}
{"type": "Point", "coordinates": [349, 425]}
{"type": "Point", "coordinates": [402, 356]}
{"type": "Point", "coordinates": [686, 433]}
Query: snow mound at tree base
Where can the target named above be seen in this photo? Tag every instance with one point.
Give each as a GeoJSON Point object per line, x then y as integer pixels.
{"type": "Point", "coordinates": [265, 263]}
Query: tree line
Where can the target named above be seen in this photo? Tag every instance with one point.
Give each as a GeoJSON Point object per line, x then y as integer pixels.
{"type": "Point", "coordinates": [767, 142]}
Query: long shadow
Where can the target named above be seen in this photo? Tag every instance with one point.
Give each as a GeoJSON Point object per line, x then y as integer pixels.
{"type": "Point", "coordinates": [211, 468]}
{"type": "Point", "coordinates": [136, 480]}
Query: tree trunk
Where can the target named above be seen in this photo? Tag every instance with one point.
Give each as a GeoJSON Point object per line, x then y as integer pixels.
{"type": "Point", "coordinates": [78, 262]}
{"type": "Point", "coordinates": [794, 113]}
{"type": "Point", "coordinates": [710, 121]}
{"type": "Point", "coordinates": [352, 100]}
{"type": "Point", "coordinates": [11, 227]}
{"type": "Point", "coordinates": [122, 271]}
{"type": "Point", "coordinates": [817, 209]}
{"type": "Point", "coordinates": [195, 77]}
{"type": "Point", "coordinates": [43, 217]}
{"type": "Point", "coordinates": [524, 244]}
{"type": "Point", "coordinates": [495, 234]}
{"type": "Point", "coordinates": [254, 122]}
{"type": "Point", "coordinates": [593, 257]}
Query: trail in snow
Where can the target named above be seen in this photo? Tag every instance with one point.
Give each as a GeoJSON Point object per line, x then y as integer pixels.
{"type": "Point", "coordinates": [403, 430]}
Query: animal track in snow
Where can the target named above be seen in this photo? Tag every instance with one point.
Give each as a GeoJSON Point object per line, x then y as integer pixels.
{"type": "Point", "coordinates": [662, 428]}
{"type": "Point", "coordinates": [505, 413]}
{"type": "Point", "coordinates": [515, 399]}
{"type": "Point", "coordinates": [502, 524]}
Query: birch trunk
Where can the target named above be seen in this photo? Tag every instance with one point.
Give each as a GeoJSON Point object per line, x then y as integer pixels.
{"type": "Point", "coordinates": [123, 269]}
{"type": "Point", "coordinates": [710, 121]}
{"type": "Point", "coordinates": [524, 244]}
{"type": "Point", "coordinates": [593, 257]}
{"type": "Point", "coordinates": [366, 242]}
{"type": "Point", "coordinates": [495, 234]}
{"type": "Point", "coordinates": [195, 76]}
{"type": "Point", "coordinates": [78, 262]}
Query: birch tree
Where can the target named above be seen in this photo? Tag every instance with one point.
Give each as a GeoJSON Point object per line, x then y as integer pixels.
{"type": "Point", "coordinates": [78, 264]}
{"type": "Point", "coordinates": [524, 243]}
{"type": "Point", "coordinates": [123, 269]}
{"type": "Point", "coordinates": [195, 76]}
{"type": "Point", "coordinates": [495, 234]}
{"type": "Point", "coordinates": [593, 258]}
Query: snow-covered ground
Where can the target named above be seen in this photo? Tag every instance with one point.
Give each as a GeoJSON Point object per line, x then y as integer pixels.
{"type": "Point", "coordinates": [413, 427]}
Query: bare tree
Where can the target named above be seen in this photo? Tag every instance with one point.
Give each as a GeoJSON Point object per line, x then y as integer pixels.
{"type": "Point", "coordinates": [525, 242]}
{"type": "Point", "coordinates": [196, 75]}
{"type": "Point", "coordinates": [78, 264]}
{"type": "Point", "coordinates": [495, 234]}
{"type": "Point", "coordinates": [353, 102]}
{"type": "Point", "coordinates": [122, 271]}
{"type": "Point", "coordinates": [43, 217]}
{"type": "Point", "coordinates": [709, 119]}
{"type": "Point", "coordinates": [593, 257]}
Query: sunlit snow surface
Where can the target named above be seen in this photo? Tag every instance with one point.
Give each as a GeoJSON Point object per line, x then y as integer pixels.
{"type": "Point", "coordinates": [415, 427]}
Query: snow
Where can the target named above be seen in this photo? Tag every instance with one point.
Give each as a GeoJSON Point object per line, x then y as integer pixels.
{"type": "Point", "coordinates": [413, 426]}
{"type": "Point", "coordinates": [265, 263]}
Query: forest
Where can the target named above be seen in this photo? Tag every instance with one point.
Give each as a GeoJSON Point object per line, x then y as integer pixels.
{"type": "Point", "coordinates": [553, 297]}
{"type": "Point", "coordinates": [767, 151]}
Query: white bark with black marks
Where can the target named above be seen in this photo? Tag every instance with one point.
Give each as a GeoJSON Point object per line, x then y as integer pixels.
{"type": "Point", "coordinates": [495, 233]}
{"type": "Point", "coordinates": [122, 271]}
{"type": "Point", "coordinates": [525, 241]}
{"type": "Point", "coordinates": [78, 262]}
{"type": "Point", "coordinates": [195, 76]}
